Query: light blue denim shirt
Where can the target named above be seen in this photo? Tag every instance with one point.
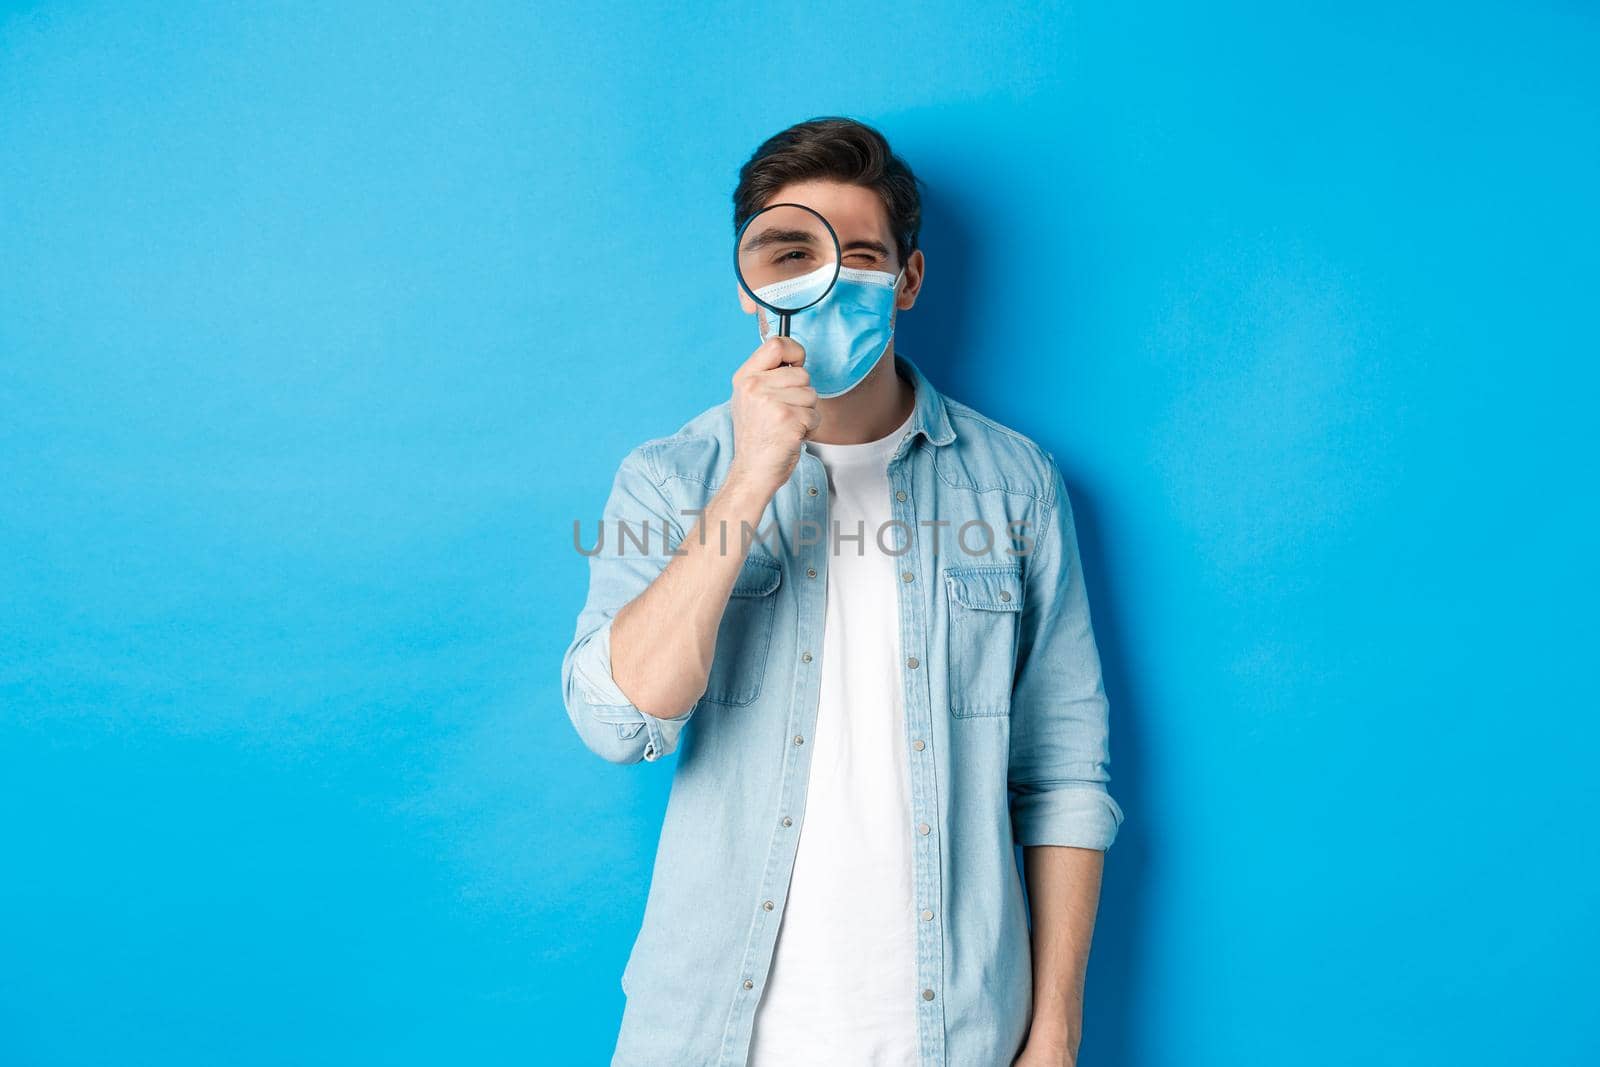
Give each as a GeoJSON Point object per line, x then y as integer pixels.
{"type": "Point", "coordinates": [1006, 726]}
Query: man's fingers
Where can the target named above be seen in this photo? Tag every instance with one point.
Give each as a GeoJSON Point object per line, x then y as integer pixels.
{"type": "Point", "coordinates": [790, 350]}
{"type": "Point", "coordinates": [786, 375]}
{"type": "Point", "coordinates": [775, 352]}
{"type": "Point", "coordinates": [800, 396]}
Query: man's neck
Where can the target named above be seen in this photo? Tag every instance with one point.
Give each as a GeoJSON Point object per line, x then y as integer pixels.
{"type": "Point", "coordinates": [871, 410]}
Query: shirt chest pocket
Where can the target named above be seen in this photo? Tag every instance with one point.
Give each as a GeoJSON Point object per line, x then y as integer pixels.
{"type": "Point", "coordinates": [745, 635]}
{"type": "Point", "coordinates": [985, 606]}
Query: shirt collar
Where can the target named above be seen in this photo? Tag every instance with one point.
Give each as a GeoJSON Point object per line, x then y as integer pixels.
{"type": "Point", "coordinates": [928, 417]}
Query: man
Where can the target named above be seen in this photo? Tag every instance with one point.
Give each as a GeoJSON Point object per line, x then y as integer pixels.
{"type": "Point", "coordinates": [855, 610]}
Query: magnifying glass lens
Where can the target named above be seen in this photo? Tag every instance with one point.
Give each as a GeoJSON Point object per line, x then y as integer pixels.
{"type": "Point", "coordinates": [788, 257]}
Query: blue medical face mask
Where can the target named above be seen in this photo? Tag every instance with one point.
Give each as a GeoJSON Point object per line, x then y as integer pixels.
{"type": "Point", "coordinates": [847, 333]}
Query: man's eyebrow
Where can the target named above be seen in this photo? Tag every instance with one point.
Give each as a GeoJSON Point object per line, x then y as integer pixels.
{"type": "Point", "coordinates": [772, 236]}
{"type": "Point", "coordinates": [871, 246]}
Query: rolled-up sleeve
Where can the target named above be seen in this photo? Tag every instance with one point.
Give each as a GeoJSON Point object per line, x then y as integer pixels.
{"type": "Point", "coordinates": [1060, 744]}
{"type": "Point", "coordinates": [637, 533]}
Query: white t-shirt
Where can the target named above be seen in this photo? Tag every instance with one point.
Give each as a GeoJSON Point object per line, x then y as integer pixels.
{"type": "Point", "coordinates": [843, 983]}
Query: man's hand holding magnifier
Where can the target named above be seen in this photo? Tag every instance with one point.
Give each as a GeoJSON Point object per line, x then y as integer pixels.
{"type": "Point", "coordinates": [774, 410]}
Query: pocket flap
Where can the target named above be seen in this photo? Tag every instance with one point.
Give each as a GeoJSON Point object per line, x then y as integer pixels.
{"type": "Point", "coordinates": [989, 587]}
{"type": "Point", "coordinates": [758, 577]}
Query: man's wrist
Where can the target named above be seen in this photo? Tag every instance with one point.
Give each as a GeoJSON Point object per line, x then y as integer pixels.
{"type": "Point", "coordinates": [745, 483]}
{"type": "Point", "coordinates": [1046, 1050]}
{"type": "Point", "coordinates": [741, 500]}
{"type": "Point", "coordinates": [1052, 1034]}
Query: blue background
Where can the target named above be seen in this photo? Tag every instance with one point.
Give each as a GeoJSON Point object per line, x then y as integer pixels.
{"type": "Point", "coordinates": [319, 326]}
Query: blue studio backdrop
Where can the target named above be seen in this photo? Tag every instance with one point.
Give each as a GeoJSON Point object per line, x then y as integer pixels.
{"type": "Point", "coordinates": [320, 325]}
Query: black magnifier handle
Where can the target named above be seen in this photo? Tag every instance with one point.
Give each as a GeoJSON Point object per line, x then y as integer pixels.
{"type": "Point", "coordinates": [783, 325]}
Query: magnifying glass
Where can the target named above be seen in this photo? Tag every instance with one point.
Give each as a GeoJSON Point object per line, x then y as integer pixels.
{"type": "Point", "coordinates": [787, 259]}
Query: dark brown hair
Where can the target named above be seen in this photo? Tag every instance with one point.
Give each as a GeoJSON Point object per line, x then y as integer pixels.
{"type": "Point", "coordinates": [839, 149]}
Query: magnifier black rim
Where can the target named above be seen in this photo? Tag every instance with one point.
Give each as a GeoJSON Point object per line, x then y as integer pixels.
{"type": "Point", "coordinates": [838, 259]}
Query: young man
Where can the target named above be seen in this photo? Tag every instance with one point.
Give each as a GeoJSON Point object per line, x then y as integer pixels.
{"type": "Point", "coordinates": [855, 610]}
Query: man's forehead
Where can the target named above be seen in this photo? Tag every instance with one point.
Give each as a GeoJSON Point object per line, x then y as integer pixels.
{"type": "Point", "coordinates": [852, 210]}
